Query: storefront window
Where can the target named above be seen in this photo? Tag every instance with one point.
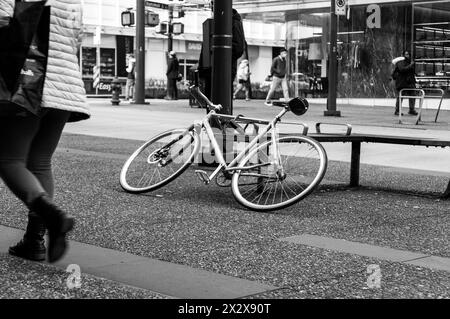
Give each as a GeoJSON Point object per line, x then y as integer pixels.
{"type": "Point", "coordinates": [107, 68]}
{"type": "Point", "coordinates": [107, 63]}
{"type": "Point", "coordinates": [370, 36]}
{"type": "Point", "coordinates": [308, 52]}
{"type": "Point", "coordinates": [89, 60]}
{"type": "Point", "coordinates": [431, 44]}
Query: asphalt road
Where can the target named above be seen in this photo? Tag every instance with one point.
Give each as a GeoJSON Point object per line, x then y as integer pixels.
{"type": "Point", "coordinates": [203, 227]}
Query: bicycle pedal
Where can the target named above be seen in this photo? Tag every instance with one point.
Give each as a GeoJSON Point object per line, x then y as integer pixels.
{"type": "Point", "coordinates": [203, 176]}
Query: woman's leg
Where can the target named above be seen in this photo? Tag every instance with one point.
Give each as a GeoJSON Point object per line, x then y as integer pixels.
{"type": "Point", "coordinates": [238, 88]}
{"type": "Point", "coordinates": [275, 83]}
{"type": "Point", "coordinates": [127, 89]}
{"type": "Point", "coordinates": [16, 136]}
{"type": "Point", "coordinates": [247, 91]}
{"type": "Point", "coordinates": [37, 185]}
{"type": "Point", "coordinates": [43, 147]}
{"type": "Point", "coordinates": [284, 85]}
{"type": "Point", "coordinates": [175, 89]}
{"type": "Point", "coordinates": [13, 165]}
{"type": "Point", "coordinates": [397, 102]}
{"type": "Point", "coordinates": [39, 162]}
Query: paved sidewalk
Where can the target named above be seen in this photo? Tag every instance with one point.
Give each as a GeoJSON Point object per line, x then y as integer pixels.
{"type": "Point", "coordinates": [140, 122]}
{"type": "Point", "coordinates": [321, 247]}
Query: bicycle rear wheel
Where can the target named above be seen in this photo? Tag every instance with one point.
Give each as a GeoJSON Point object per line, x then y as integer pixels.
{"type": "Point", "coordinates": [263, 186]}
{"type": "Point", "coordinates": [159, 161]}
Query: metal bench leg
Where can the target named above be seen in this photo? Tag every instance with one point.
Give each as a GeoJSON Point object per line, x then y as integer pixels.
{"type": "Point", "coordinates": [354, 164]}
{"type": "Point", "coordinates": [438, 110]}
{"type": "Point", "coordinates": [446, 194]}
{"type": "Point", "coordinates": [419, 116]}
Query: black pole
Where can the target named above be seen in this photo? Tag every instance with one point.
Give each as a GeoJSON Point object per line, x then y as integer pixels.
{"type": "Point", "coordinates": [332, 72]}
{"type": "Point", "coordinates": [221, 50]}
{"type": "Point", "coordinates": [169, 45]}
{"type": "Point", "coordinates": [249, 81]}
{"type": "Point", "coordinates": [140, 54]}
{"type": "Point", "coordinates": [446, 194]}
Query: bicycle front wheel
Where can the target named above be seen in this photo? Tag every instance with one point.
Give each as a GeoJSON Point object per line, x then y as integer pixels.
{"type": "Point", "coordinates": [159, 161]}
{"type": "Point", "coordinates": [267, 181]}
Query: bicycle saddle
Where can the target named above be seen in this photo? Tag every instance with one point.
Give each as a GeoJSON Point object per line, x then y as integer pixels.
{"type": "Point", "coordinates": [297, 105]}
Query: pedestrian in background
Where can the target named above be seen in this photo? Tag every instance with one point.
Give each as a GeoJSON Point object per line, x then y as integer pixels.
{"type": "Point", "coordinates": [28, 141]}
{"type": "Point", "coordinates": [238, 42]}
{"type": "Point", "coordinates": [238, 46]}
{"type": "Point", "coordinates": [405, 78]}
{"type": "Point", "coordinates": [243, 75]}
{"type": "Point", "coordinates": [278, 74]}
{"type": "Point", "coordinates": [173, 75]}
{"type": "Point", "coordinates": [131, 78]}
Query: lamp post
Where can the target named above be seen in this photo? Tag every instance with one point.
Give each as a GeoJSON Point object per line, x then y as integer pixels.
{"type": "Point", "coordinates": [169, 46]}
{"type": "Point", "coordinates": [170, 35]}
{"type": "Point", "coordinates": [140, 52]}
{"type": "Point", "coordinates": [332, 72]}
{"type": "Point", "coordinates": [221, 52]}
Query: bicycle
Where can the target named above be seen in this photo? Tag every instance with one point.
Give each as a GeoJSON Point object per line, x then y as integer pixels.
{"type": "Point", "coordinates": [264, 176]}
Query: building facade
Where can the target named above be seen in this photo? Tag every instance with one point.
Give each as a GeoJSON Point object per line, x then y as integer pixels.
{"type": "Point", "coordinates": [370, 35]}
{"type": "Point", "coordinates": [107, 40]}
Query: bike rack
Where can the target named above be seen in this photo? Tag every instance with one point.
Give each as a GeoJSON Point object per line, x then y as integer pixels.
{"type": "Point", "coordinates": [305, 126]}
{"type": "Point", "coordinates": [419, 97]}
{"type": "Point", "coordinates": [440, 97]}
{"type": "Point", "coordinates": [348, 126]}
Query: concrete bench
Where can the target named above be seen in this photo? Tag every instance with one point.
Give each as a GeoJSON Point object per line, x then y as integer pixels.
{"type": "Point", "coordinates": [357, 139]}
{"type": "Point", "coordinates": [348, 137]}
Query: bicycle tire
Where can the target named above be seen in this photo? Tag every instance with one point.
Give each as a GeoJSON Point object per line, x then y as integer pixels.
{"type": "Point", "coordinates": [249, 189]}
{"type": "Point", "coordinates": [155, 159]}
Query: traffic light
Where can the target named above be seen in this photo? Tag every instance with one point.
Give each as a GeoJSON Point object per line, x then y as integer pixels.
{"type": "Point", "coordinates": [177, 28]}
{"type": "Point", "coordinates": [127, 18]}
{"type": "Point", "coordinates": [178, 14]}
{"type": "Point", "coordinates": [151, 19]}
{"type": "Point", "coordinates": [163, 28]}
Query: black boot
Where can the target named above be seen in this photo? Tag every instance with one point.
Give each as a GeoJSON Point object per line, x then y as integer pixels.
{"type": "Point", "coordinates": [57, 223]}
{"type": "Point", "coordinates": [32, 246]}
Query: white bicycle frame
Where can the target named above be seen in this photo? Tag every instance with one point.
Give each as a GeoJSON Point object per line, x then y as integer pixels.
{"type": "Point", "coordinates": [232, 167]}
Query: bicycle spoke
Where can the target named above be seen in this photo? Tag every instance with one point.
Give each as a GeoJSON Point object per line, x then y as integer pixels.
{"type": "Point", "coordinates": [159, 161]}
{"type": "Point", "coordinates": [262, 193]}
{"type": "Point", "coordinates": [275, 193]}
{"type": "Point", "coordinates": [297, 170]}
{"type": "Point", "coordinates": [290, 189]}
{"type": "Point", "coordinates": [296, 183]}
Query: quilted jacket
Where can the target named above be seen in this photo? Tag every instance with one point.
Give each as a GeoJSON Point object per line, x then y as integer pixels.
{"type": "Point", "coordinates": [63, 87]}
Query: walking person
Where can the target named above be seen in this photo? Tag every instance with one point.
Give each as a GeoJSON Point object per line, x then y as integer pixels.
{"type": "Point", "coordinates": [28, 140]}
{"type": "Point", "coordinates": [238, 47]}
{"type": "Point", "coordinates": [404, 77]}
{"type": "Point", "coordinates": [131, 78]}
{"type": "Point", "coordinates": [278, 74]}
{"type": "Point", "coordinates": [238, 42]}
{"type": "Point", "coordinates": [243, 75]}
{"type": "Point", "coordinates": [173, 73]}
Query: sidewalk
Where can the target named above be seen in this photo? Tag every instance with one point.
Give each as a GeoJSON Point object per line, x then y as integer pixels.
{"type": "Point", "coordinates": [188, 240]}
{"type": "Point", "coordinates": [140, 122]}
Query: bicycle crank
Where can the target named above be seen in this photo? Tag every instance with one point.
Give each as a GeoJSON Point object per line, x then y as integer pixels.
{"type": "Point", "coordinates": [203, 176]}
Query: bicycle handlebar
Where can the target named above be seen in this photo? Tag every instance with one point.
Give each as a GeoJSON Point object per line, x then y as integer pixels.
{"type": "Point", "coordinates": [211, 106]}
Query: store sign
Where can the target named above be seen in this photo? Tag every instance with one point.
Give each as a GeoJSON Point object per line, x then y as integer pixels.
{"type": "Point", "coordinates": [374, 19]}
{"type": "Point", "coordinates": [193, 46]}
{"type": "Point", "coordinates": [104, 86]}
{"type": "Point", "coordinates": [157, 5]}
